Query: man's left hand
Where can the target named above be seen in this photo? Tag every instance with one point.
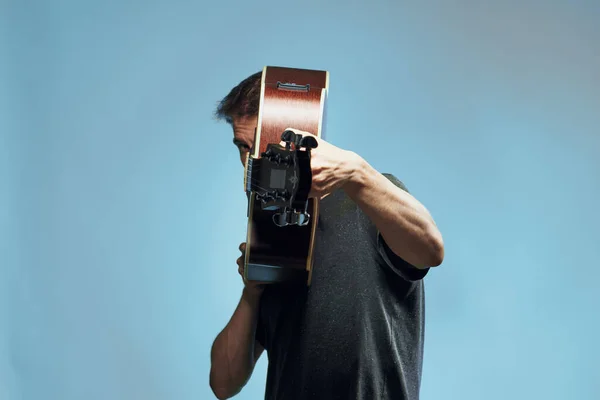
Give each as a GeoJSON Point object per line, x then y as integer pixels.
{"type": "Point", "coordinates": [331, 166]}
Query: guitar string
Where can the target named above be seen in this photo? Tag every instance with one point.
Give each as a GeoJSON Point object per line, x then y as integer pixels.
{"type": "Point", "coordinates": [255, 181]}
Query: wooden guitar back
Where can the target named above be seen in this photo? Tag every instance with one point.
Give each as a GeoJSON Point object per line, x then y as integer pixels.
{"type": "Point", "coordinates": [290, 98]}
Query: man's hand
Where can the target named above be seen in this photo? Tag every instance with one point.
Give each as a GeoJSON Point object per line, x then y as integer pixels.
{"type": "Point", "coordinates": [253, 288]}
{"type": "Point", "coordinates": [331, 166]}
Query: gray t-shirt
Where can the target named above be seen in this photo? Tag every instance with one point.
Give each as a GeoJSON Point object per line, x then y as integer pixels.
{"type": "Point", "coordinates": [357, 332]}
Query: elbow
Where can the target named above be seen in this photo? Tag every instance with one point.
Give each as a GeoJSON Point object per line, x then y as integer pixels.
{"type": "Point", "coordinates": [431, 251]}
{"type": "Point", "coordinates": [221, 391]}
{"type": "Point", "coordinates": [436, 249]}
{"type": "Point", "coordinates": [218, 391]}
{"type": "Point", "coordinates": [219, 395]}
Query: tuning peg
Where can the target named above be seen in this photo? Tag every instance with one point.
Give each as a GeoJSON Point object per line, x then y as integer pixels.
{"type": "Point", "coordinates": [281, 219]}
{"type": "Point", "coordinates": [288, 136]}
{"type": "Point", "coordinates": [301, 218]}
{"type": "Point", "coordinates": [309, 142]}
{"type": "Point", "coordinates": [288, 217]}
{"type": "Point", "coordinates": [267, 153]}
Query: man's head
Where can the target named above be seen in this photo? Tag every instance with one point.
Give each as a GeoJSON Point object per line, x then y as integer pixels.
{"type": "Point", "coordinates": [240, 109]}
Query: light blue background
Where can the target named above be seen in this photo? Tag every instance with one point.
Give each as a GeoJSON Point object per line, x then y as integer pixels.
{"type": "Point", "coordinates": [122, 204]}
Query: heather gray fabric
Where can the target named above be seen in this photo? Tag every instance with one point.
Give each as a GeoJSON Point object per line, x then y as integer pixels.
{"type": "Point", "coordinates": [358, 331]}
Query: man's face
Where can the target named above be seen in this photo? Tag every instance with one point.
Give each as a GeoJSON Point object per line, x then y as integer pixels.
{"type": "Point", "coordinates": [243, 135]}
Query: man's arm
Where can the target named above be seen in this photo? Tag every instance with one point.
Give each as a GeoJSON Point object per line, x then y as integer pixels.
{"type": "Point", "coordinates": [405, 224]}
{"type": "Point", "coordinates": [235, 350]}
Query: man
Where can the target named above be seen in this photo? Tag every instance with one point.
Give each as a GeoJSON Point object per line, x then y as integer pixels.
{"type": "Point", "coordinates": [357, 332]}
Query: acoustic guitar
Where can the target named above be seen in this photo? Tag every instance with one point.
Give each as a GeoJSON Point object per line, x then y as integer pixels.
{"type": "Point", "coordinates": [282, 219]}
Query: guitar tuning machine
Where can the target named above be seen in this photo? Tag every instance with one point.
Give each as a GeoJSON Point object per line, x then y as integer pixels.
{"type": "Point", "coordinates": [277, 158]}
{"type": "Point", "coordinates": [298, 140]}
{"type": "Point", "coordinates": [290, 217]}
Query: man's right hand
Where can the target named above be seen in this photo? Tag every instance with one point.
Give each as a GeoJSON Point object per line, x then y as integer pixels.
{"type": "Point", "coordinates": [254, 288]}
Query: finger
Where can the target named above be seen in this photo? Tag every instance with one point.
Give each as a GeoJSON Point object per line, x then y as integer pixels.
{"type": "Point", "coordinates": [242, 246]}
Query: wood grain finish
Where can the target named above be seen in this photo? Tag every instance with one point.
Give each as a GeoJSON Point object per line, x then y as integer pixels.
{"type": "Point", "coordinates": [274, 253]}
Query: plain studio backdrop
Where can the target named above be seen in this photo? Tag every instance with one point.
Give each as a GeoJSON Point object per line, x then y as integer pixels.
{"type": "Point", "coordinates": [122, 204]}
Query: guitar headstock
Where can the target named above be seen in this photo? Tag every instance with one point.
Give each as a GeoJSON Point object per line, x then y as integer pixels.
{"type": "Point", "coordinates": [281, 178]}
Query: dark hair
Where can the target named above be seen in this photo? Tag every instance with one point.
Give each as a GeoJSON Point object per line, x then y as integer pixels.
{"type": "Point", "coordinates": [242, 100]}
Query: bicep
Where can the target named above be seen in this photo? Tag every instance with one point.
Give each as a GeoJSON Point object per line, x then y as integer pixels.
{"type": "Point", "coordinates": [400, 266]}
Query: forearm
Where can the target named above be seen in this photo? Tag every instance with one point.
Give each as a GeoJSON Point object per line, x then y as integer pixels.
{"type": "Point", "coordinates": [233, 353]}
{"type": "Point", "coordinates": [405, 224]}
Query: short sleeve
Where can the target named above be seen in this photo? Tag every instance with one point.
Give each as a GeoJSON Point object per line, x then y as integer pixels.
{"type": "Point", "coordinates": [261, 329]}
{"type": "Point", "coordinates": [401, 267]}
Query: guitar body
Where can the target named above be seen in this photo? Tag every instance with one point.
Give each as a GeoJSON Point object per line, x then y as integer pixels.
{"type": "Point", "coordinates": [290, 98]}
